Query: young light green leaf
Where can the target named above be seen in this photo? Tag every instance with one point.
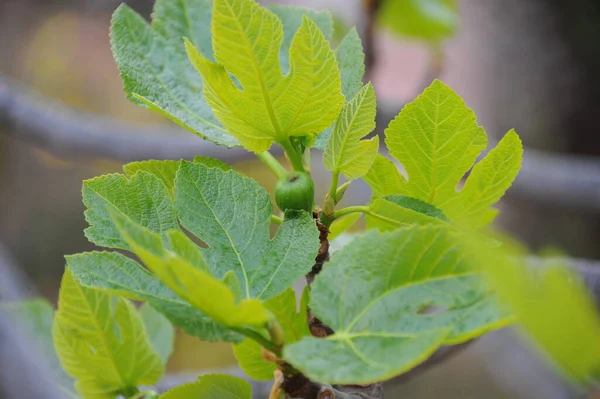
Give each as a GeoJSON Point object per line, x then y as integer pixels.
{"type": "Point", "coordinates": [345, 152]}
{"type": "Point", "coordinates": [270, 106]}
{"type": "Point", "coordinates": [388, 328]}
{"type": "Point", "coordinates": [215, 299]}
{"type": "Point", "coordinates": [341, 225]}
{"type": "Point", "coordinates": [250, 357]}
{"type": "Point", "coordinates": [144, 198]}
{"type": "Point", "coordinates": [154, 66]}
{"type": "Point", "coordinates": [291, 19]}
{"type": "Point", "coordinates": [292, 321]}
{"type": "Point", "coordinates": [212, 386]}
{"type": "Point", "coordinates": [383, 177]}
{"type": "Point", "coordinates": [437, 139]}
{"type": "Point", "coordinates": [35, 317]}
{"type": "Point", "coordinates": [351, 61]}
{"type": "Point", "coordinates": [431, 20]}
{"type": "Point", "coordinates": [160, 331]}
{"type": "Point", "coordinates": [552, 306]}
{"type": "Point", "coordinates": [104, 347]}
{"type": "Point", "coordinates": [395, 211]}
{"type": "Point", "coordinates": [249, 354]}
{"type": "Point", "coordinates": [232, 215]}
{"type": "Point", "coordinates": [487, 183]}
{"type": "Point", "coordinates": [120, 275]}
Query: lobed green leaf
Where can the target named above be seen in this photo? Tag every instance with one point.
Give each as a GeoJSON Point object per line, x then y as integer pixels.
{"type": "Point", "coordinates": [399, 296]}
{"type": "Point", "coordinates": [103, 346]}
{"type": "Point", "coordinates": [269, 106]}
{"type": "Point", "coordinates": [154, 66]}
{"type": "Point", "coordinates": [437, 139]}
{"type": "Point", "coordinates": [232, 214]}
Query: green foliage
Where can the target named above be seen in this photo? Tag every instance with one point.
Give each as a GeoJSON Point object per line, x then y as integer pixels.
{"type": "Point", "coordinates": [154, 65]}
{"type": "Point", "coordinates": [388, 328]}
{"type": "Point", "coordinates": [552, 305]}
{"type": "Point", "coordinates": [215, 299]}
{"type": "Point", "coordinates": [437, 139]}
{"type": "Point", "coordinates": [231, 214]}
{"type": "Point", "coordinates": [395, 211]}
{"type": "Point", "coordinates": [340, 226]}
{"type": "Point", "coordinates": [240, 74]}
{"type": "Point", "coordinates": [144, 199]}
{"type": "Point", "coordinates": [35, 317]}
{"type": "Point", "coordinates": [159, 330]}
{"type": "Point", "coordinates": [102, 343]}
{"type": "Point", "coordinates": [345, 152]}
{"type": "Point", "coordinates": [249, 354]}
{"type": "Point", "coordinates": [430, 20]}
{"type": "Point", "coordinates": [383, 177]}
{"type": "Point", "coordinates": [269, 107]}
{"type": "Point", "coordinates": [212, 386]}
{"type": "Point", "coordinates": [351, 61]}
{"type": "Point", "coordinates": [119, 275]}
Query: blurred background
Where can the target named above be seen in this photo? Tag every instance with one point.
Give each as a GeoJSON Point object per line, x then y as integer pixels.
{"type": "Point", "coordinates": [524, 64]}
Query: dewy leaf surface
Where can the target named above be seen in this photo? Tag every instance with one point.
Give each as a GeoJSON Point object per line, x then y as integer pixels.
{"type": "Point", "coordinates": [379, 308]}
{"type": "Point", "coordinates": [154, 66]}
{"type": "Point", "coordinates": [345, 152]}
{"type": "Point", "coordinates": [437, 139]}
{"type": "Point", "coordinates": [144, 199]}
{"type": "Point", "coordinates": [120, 275]}
{"type": "Point", "coordinates": [269, 106]}
{"type": "Point", "coordinates": [212, 386]}
{"type": "Point", "coordinates": [231, 214]}
{"type": "Point", "coordinates": [102, 343]}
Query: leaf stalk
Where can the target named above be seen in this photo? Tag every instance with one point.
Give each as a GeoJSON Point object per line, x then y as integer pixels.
{"type": "Point", "coordinates": [293, 155]}
{"type": "Point", "coordinates": [272, 163]}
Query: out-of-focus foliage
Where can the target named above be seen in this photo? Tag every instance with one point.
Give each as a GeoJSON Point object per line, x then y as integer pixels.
{"type": "Point", "coordinates": [551, 304]}
{"type": "Point", "coordinates": [429, 20]}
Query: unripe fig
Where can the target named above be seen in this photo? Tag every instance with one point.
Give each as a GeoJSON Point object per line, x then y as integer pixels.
{"type": "Point", "coordinates": [295, 191]}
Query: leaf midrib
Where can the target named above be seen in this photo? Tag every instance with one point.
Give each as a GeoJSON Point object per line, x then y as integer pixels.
{"type": "Point", "coordinates": [345, 138]}
{"type": "Point", "coordinates": [261, 80]}
{"type": "Point", "coordinates": [233, 246]}
{"type": "Point", "coordinates": [374, 302]}
{"type": "Point", "coordinates": [92, 312]}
